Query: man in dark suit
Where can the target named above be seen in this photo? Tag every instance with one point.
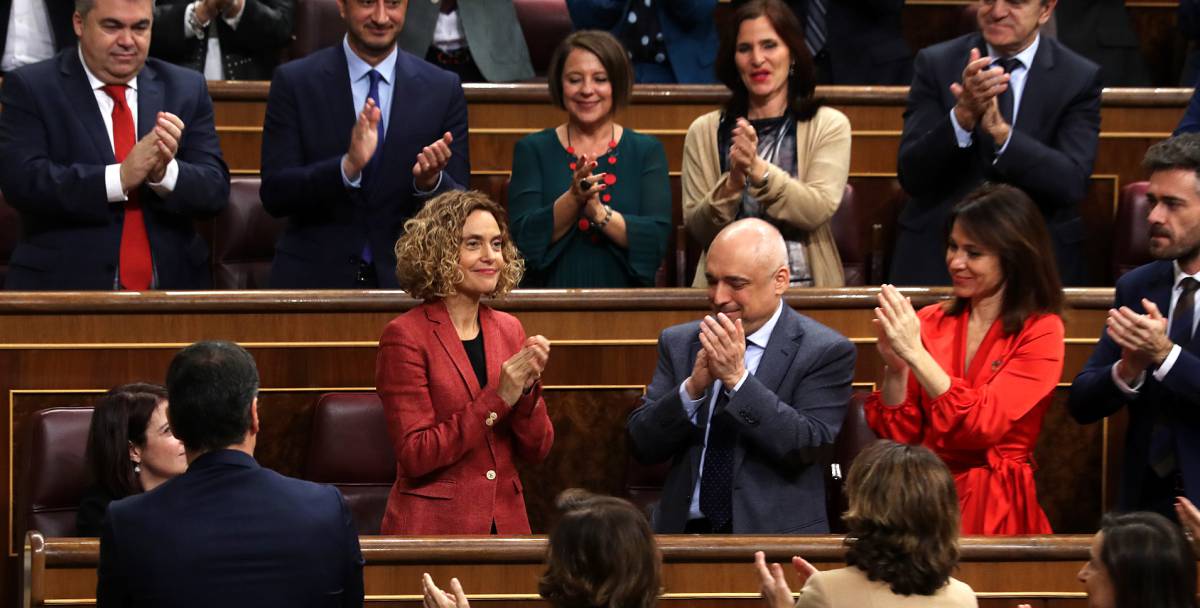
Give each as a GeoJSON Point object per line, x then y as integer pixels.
{"type": "Point", "coordinates": [1101, 31]}
{"type": "Point", "coordinates": [745, 403]}
{"type": "Point", "coordinates": [856, 41]}
{"type": "Point", "coordinates": [1149, 358]}
{"type": "Point", "coordinates": [227, 532]}
{"type": "Point", "coordinates": [33, 31]}
{"type": "Point", "coordinates": [223, 39]}
{"type": "Point", "coordinates": [109, 157]}
{"type": "Point", "coordinates": [347, 185]}
{"type": "Point", "coordinates": [1034, 124]}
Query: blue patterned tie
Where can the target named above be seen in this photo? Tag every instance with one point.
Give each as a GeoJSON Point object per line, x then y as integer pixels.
{"type": "Point", "coordinates": [373, 164]}
{"type": "Point", "coordinates": [814, 27]}
{"type": "Point", "coordinates": [1006, 98]}
{"type": "Point", "coordinates": [716, 480]}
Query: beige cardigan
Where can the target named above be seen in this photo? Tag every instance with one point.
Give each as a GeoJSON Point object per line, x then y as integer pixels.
{"type": "Point", "coordinates": [807, 202]}
{"type": "Point", "coordinates": [850, 588]}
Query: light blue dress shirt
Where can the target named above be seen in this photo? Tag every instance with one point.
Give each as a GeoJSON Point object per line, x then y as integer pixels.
{"type": "Point", "coordinates": [756, 345]}
{"type": "Point", "coordinates": [360, 85]}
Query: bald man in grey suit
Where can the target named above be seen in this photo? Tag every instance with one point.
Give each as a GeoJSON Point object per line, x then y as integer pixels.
{"type": "Point", "coordinates": [745, 403]}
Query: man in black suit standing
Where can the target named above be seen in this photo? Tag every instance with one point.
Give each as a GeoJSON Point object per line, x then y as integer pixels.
{"type": "Point", "coordinates": [227, 532]}
{"type": "Point", "coordinates": [1005, 105]}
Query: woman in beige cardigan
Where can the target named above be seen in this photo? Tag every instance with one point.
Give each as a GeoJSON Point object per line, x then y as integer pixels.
{"type": "Point", "coordinates": [773, 152]}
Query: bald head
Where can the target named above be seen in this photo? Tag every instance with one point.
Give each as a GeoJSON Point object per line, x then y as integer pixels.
{"type": "Point", "coordinates": [747, 272]}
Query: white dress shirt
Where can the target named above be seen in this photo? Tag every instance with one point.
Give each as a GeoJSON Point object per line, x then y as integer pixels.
{"type": "Point", "coordinates": [30, 38]}
{"type": "Point", "coordinates": [1169, 362]}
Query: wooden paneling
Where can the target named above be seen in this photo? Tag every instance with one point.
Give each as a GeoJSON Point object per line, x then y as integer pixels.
{"type": "Point", "coordinates": [708, 572]}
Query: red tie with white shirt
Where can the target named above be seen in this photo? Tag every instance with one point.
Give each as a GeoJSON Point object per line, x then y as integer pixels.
{"type": "Point", "coordinates": [135, 268]}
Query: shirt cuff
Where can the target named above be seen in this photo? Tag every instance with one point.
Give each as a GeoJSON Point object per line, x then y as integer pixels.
{"type": "Point", "coordinates": [112, 184]}
{"type": "Point", "coordinates": [430, 191]}
{"type": "Point", "coordinates": [170, 176]}
{"type": "Point", "coordinates": [1003, 146]}
{"type": "Point", "coordinates": [349, 183]}
{"type": "Point", "coordinates": [233, 21]}
{"type": "Point", "coordinates": [1131, 391]}
{"type": "Point", "coordinates": [740, 382]}
{"type": "Point", "coordinates": [189, 17]}
{"type": "Point", "coordinates": [1167, 363]}
{"type": "Point", "coordinates": [690, 406]}
{"type": "Point", "coordinates": [964, 137]}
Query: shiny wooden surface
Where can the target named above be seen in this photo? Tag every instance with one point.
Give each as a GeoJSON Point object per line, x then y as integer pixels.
{"type": "Point", "coordinates": [704, 570]}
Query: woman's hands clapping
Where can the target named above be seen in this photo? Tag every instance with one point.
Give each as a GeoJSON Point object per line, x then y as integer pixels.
{"type": "Point", "coordinates": [898, 328]}
{"type": "Point", "coordinates": [583, 175]}
{"type": "Point", "coordinates": [519, 373]}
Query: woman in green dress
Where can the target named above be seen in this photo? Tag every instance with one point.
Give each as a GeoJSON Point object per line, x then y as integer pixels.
{"type": "Point", "coordinates": [589, 199]}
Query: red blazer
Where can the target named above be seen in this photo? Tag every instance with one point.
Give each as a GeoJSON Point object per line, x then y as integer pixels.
{"type": "Point", "coordinates": [454, 470]}
{"type": "Point", "coordinates": [986, 425]}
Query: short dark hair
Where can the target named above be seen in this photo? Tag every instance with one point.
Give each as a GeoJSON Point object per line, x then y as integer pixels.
{"type": "Point", "coordinates": [903, 517]}
{"type": "Point", "coordinates": [119, 418]}
{"type": "Point", "coordinates": [612, 56]}
{"type": "Point", "coordinates": [1149, 561]}
{"type": "Point", "coordinates": [802, 81]}
{"type": "Point", "coordinates": [210, 386]}
{"type": "Point", "coordinates": [601, 554]}
{"type": "Point", "coordinates": [1005, 220]}
{"type": "Point", "coordinates": [1178, 152]}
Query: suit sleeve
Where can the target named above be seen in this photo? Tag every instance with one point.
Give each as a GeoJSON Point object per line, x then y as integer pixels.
{"type": "Point", "coordinates": [659, 428]}
{"type": "Point", "coordinates": [808, 204]}
{"type": "Point", "coordinates": [797, 434]}
{"type": "Point", "coordinates": [1190, 123]}
{"type": "Point", "coordinates": [928, 147]}
{"type": "Point", "coordinates": [457, 174]}
{"type": "Point", "coordinates": [352, 582]}
{"type": "Point", "coordinates": [202, 189]}
{"type": "Point", "coordinates": [1094, 396]}
{"type": "Point", "coordinates": [424, 443]}
{"type": "Point", "coordinates": [1059, 170]}
{"type": "Point", "coordinates": [291, 184]}
{"type": "Point", "coordinates": [33, 182]}
{"type": "Point", "coordinates": [112, 582]}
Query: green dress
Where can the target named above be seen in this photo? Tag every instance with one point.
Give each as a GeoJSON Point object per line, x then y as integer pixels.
{"type": "Point", "coordinates": [541, 173]}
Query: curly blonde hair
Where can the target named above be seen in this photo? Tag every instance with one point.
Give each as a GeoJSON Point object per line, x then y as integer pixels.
{"type": "Point", "coordinates": [427, 254]}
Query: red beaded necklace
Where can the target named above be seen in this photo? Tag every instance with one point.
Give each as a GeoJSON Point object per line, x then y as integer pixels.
{"type": "Point", "coordinates": [609, 178]}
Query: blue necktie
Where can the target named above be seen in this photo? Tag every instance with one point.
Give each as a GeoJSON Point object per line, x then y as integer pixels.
{"type": "Point", "coordinates": [1006, 98]}
{"type": "Point", "coordinates": [716, 480]}
{"type": "Point", "coordinates": [373, 164]}
{"type": "Point", "coordinates": [814, 27]}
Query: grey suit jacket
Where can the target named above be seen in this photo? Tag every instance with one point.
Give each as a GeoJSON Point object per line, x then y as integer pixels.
{"type": "Point", "coordinates": [493, 33]}
{"type": "Point", "coordinates": [789, 413]}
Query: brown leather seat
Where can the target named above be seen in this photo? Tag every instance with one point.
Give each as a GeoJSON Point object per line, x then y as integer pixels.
{"type": "Point", "coordinates": [545, 23]}
{"type": "Point", "coordinates": [854, 250]}
{"type": "Point", "coordinates": [10, 232]}
{"type": "Point", "coordinates": [243, 239]}
{"type": "Point", "coordinates": [853, 437]}
{"type": "Point", "coordinates": [317, 25]}
{"type": "Point", "coordinates": [495, 186]}
{"type": "Point", "coordinates": [350, 448]}
{"type": "Point", "coordinates": [54, 477]}
{"type": "Point", "coordinates": [1131, 230]}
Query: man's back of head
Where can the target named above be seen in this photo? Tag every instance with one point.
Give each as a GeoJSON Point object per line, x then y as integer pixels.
{"type": "Point", "coordinates": [211, 390]}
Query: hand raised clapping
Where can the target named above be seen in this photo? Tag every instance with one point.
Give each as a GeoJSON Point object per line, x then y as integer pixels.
{"type": "Point", "coordinates": [898, 328]}
{"type": "Point", "coordinates": [523, 369]}
{"type": "Point", "coordinates": [980, 85]}
{"type": "Point", "coordinates": [431, 161]}
{"type": "Point", "coordinates": [743, 153]}
{"type": "Point", "coordinates": [774, 585]}
{"type": "Point", "coordinates": [437, 598]}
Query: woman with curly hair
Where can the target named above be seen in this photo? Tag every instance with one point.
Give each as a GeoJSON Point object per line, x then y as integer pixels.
{"type": "Point", "coordinates": [601, 554]}
{"type": "Point", "coordinates": [902, 542]}
{"type": "Point", "coordinates": [459, 381]}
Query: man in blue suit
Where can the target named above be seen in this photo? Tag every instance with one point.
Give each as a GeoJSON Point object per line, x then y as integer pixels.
{"type": "Point", "coordinates": [227, 532]}
{"type": "Point", "coordinates": [357, 137]}
{"type": "Point", "coordinates": [109, 157]}
{"type": "Point", "coordinates": [1003, 105]}
{"type": "Point", "coordinates": [1148, 358]}
{"type": "Point", "coordinates": [745, 403]}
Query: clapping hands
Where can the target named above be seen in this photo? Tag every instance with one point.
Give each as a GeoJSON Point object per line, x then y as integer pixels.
{"type": "Point", "coordinates": [522, 370]}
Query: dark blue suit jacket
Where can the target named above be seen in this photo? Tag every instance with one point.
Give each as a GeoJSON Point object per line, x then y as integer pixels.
{"type": "Point", "coordinates": [788, 413]}
{"type": "Point", "coordinates": [1050, 155]}
{"type": "Point", "coordinates": [53, 150]}
{"type": "Point", "coordinates": [230, 533]}
{"type": "Point", "coordinates": [863, 41]}
{"type": "Point", "coordinates": [310, 113]}
{"type": "Point", "coordinates": [688, 28]}
{"type": "Point", "coordinates": [1094, 396]}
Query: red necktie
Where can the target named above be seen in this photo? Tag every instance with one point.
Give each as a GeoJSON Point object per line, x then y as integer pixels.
{"type": "Point", "coordinates": [136, 270]}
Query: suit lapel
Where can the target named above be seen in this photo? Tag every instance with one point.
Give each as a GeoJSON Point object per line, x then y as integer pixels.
{"type": "Point", "coordinates": [404, 80]}
{"type": "Point", "coordinates": [448, 337]}
{"type": "Point", "coordinates": [150, 100]}
{"type": "Point", "coordinates": [781, 350]}
{"type": "Point", "coordinates": [492, 345]}
{"type": "Point", "coordinates": [1158, 290]}
{"type": "Point", "coordinates": [336, 73]}
{"type": "Point", "coordinates": [1038, 88]}
{"type": "Point", "coordinates": [83, 99]}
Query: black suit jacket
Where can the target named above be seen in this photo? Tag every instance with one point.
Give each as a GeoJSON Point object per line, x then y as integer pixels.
{"type": "Point", "coordinates": [864, 42]}
{"type": "Point", "coordinates": [60, 12]}
{"type": "Point", "coordinates": [310, 113]}
{"type": "Point", "coordinates": [788, 414]}
{"type": "Point", "coordinates": [1049, 156]}
{"type": "Point", "coordinates": [249, 52]}
{"type": "Point", "coordinates": [53, 151]}
{"type": "Point", "coordinates": [1176, 399]}
{"type": "Point", "coordinates": [230, 533]}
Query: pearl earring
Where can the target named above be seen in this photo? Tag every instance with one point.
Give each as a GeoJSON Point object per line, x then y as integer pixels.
{"type": "Point", "coordinates": [137, 467]}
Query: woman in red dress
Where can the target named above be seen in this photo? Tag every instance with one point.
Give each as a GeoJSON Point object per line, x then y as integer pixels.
{"type": "Point", "coordinates": [971, 378]}
{"type": "Point", "coordinates": [460, 382]}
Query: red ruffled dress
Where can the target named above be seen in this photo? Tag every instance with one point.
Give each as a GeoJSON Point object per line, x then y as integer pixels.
{"type": "Point", "coordinates": [986, 425]}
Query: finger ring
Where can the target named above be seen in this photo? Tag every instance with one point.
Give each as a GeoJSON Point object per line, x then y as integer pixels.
{"type": "Point", "coordinates": [584, 185]}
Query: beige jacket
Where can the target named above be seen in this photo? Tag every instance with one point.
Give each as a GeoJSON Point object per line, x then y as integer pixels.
{"type": "Point", "coordinates": [850, 588]}
{"type": "Point", "coordinates": [806, 203]}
